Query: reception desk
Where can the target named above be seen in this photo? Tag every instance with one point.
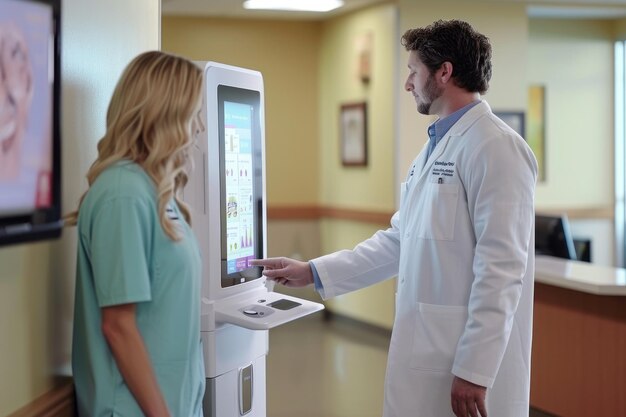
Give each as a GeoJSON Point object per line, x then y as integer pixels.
{"type": "Point", "coordinates": [579, 340]}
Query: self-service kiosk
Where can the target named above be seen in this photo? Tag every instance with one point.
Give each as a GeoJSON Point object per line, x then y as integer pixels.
{"type": "Point", "coordinates": [226, 192]}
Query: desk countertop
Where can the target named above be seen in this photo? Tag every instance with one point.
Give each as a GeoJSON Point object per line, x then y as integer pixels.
{"type": "Point", "coordinates": [580, 276]}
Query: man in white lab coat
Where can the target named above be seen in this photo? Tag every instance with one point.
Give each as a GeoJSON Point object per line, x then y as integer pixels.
{"type": "Point", "coordinates": [461, 245]}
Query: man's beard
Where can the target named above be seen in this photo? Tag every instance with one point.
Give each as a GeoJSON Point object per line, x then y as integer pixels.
{"type": "Point", "coordinates": [431, 92]}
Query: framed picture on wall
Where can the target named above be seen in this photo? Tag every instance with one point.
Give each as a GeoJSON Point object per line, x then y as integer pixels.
{"type": "Point", "coordinates": [515, 120]}
{"type": "Point", "coordinates": [353, 134]}
{"type": "Point", "coordinates": [536, 136]}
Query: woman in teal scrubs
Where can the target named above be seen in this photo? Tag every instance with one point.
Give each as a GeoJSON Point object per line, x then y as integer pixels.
{"type": "Point", "coordinates": [136, 348]}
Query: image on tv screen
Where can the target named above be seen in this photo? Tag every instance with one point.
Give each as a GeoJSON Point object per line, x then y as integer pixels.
{"type": "Point", "coordinates": [26, 76]}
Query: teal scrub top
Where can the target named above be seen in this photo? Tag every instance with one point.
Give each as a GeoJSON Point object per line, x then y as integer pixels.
{"type": "Point", "coordinates": [124, 256]}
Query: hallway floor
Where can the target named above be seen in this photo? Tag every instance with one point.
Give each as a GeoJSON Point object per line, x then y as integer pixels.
{"type": "Point", "coordinates": [318, 368]}
{"type": "Point", "coordinates": [335, 368]}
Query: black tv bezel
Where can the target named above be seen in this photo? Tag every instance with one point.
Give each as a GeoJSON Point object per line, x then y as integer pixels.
{"type": "Point", "coordinates": [252, 98]}
{"type": "Point", "coordinates": [44, 223]}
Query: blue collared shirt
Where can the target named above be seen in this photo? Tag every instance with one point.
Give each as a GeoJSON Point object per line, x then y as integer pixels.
{"type": "Point", "coordinates": [316, 278]}
{"type": "Point", "coordinates": [440, 127]}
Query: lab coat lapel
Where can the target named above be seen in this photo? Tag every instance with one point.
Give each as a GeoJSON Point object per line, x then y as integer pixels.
{"type": "Point", "coordinates": [457, 129]}
{"type": "Point", "coordinates": [439, 149]}
{"type": "Point", "coordinates": [420, 162]}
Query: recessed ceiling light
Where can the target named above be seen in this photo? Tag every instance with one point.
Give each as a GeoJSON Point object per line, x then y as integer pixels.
{"type": "Point", "coordinates": [294, 5]}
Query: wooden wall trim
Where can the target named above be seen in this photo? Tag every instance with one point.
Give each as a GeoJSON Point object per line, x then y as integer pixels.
{"type": "Point", "coordinates": [313, 212]}
{"type": "Point", "coordinates": [364, 216]}
{"type": "Point", "coordinates": [58, 402]}
{"type": "Point", "coordinates": [603, 213]}
{"type": "Point", "coordinates": [294, 212]}
{"type": "Point", "coordinates": [319, 212]}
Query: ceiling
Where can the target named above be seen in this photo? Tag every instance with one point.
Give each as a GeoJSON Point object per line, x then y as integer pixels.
{"type": "Point", "coordinates": [572, 9]}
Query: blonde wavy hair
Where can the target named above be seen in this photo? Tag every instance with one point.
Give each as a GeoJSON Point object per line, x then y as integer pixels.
{"type": "Point", "coordinates": [149, 121]}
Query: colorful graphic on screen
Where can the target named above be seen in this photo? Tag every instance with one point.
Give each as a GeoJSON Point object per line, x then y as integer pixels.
{"type": "Point", "coordinates": [26, 64]}
{"type": "Point", "coordinates": [239, 186]}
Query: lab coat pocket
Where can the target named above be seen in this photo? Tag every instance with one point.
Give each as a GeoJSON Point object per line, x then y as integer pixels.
{"type": "Point", "coordinates": [436, 335]}
{"type": "Point", "coordinates": [438, 209]}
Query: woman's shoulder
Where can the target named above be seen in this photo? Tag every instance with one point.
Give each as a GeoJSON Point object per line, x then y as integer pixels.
{"type": "Point", "coordinates": [121, 192]}
{"type": "Point", "coordinates": [122, 180]}
{"type": "Point", "coordinates": [125, 178]}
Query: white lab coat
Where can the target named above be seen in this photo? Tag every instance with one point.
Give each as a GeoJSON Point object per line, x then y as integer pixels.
{"type": "Point", "coordinates": [462, 247]}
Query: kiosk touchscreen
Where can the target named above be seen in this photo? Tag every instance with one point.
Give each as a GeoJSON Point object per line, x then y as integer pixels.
{"type": "Point", "coordinates": [241, 162]}
{"type": "Point", "coordinates": [227, 195]}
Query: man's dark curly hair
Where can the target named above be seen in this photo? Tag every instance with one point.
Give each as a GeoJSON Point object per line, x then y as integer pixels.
{"type": "Point", "coordinates": [457, 42]}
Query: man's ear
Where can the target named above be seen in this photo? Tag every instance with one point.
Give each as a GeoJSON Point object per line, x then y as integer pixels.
{"type": "Point", "coordinates": [445, 72]}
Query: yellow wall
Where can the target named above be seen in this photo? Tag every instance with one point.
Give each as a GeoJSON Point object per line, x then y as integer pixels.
{"type": "Point", "coordinates": [365, 188]}
{"type": "Point", "coordinates": [25, 282]}
{"type": "Point", "coordinates": [286, 53]}
{"type": "Point", "coordinates": [36, 280]}
{"type": "Point", "coordinates": [573, 59]}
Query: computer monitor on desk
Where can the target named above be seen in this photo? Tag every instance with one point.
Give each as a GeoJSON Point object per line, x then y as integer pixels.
{"type": "Point", "coordinates": [553, 237]}
{"type": "Point", "coordinates": [583, 249]}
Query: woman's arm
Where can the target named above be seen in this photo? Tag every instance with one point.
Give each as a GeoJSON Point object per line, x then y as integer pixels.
{"type": "Point", "coordinates": [126, 344]}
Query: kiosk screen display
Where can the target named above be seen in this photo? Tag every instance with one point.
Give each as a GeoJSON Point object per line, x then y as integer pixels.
{"type": "Point", "coordinates": [241, 183]}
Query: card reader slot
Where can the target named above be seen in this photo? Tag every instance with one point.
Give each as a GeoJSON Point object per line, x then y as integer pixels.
{"type": "Point", "coordinates": [284, 304]}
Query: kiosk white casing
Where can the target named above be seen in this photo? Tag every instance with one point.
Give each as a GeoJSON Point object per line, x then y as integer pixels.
{"type": "Point", "coordinates": [234, 319]}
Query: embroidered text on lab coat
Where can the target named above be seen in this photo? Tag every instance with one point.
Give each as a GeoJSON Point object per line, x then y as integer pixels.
{"type": "Point", "coordinates": [443, 169]}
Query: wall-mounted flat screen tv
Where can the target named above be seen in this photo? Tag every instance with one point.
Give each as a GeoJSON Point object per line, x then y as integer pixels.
{"type": "Point", "coordinates": [30, 158]}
